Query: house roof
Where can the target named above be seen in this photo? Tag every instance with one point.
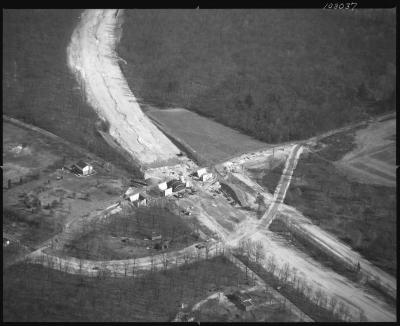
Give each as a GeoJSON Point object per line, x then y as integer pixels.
{"type": "Point", "coordinates": [174, 183]}
{"type": "Point", "coordinates": [81, 164]}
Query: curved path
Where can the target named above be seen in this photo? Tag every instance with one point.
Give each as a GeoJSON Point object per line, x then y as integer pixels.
{"type": "Point", "coordinates": [92, 58]}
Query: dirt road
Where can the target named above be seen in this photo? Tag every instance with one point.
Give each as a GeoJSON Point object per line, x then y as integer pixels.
{"type": "Point", "coordinates": [334, 247]}
{"type": "Point", "coordinates": [93, 60]}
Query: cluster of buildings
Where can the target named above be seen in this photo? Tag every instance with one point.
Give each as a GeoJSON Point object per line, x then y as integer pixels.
{"type": "Point", "coordinates": [164, 188]}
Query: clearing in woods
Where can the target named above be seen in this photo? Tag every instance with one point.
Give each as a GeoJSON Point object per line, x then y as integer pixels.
{"type": "Point", "coordinates": [128, 234]}
{"type": "Point", "coordinates": [203, 137]}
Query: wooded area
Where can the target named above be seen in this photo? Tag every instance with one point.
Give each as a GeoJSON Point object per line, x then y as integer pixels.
{"type": "Point", "coordinates": [276, 75]}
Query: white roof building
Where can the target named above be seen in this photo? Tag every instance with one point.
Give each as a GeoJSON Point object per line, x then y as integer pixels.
{"type": "Point", "coordinates": [200, 172]}
{"type": "Point", "coordinates": [162, 186]}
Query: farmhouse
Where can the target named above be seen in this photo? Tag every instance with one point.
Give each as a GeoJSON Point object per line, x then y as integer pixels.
{"type": "Point", "coordinates": [242, 300]}
{"type": "Point", "coordinates": [83, 168]}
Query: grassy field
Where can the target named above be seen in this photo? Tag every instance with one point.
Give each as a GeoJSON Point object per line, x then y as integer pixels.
{"type": "Point", "coordinates": [34, 293]}
{"type": "Point", "coordinates": [209, 140]}
{"type": "Point", "coordinates": [277, 75]}
{"type": "Point", "coordinates": [362, 215]}
{"type": "Point", "coordinates": [123, 235]}
{"type": "Point", "coordinates": [38, 87]}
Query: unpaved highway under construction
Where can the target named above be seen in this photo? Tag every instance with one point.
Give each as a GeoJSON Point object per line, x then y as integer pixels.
{"type": "Point", "coordinates": [93, 60]}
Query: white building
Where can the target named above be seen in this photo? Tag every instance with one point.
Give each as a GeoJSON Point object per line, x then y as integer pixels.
{"type": "Point", "coordinates": [138, 200]}
{"type": "Point", "coordinates": [162, 186]}
{"type": "Point", "coordinates": [130, 191]}
{"type": "Point", "coordinates": [167, 192]}
{"type": "Point", "coordinates": [206, 176]}
{"type": "Point", "coordinates": [200, 172]}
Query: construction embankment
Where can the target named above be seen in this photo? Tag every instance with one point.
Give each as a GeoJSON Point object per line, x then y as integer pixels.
{"type": "Point", "coordinates": [93, 60]}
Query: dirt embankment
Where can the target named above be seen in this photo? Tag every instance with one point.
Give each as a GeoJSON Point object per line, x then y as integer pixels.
{"type": "Point", "coordinates": [93, 60]}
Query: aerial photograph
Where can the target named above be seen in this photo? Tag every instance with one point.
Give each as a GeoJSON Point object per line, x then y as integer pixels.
{"type": "Point", "coordinates": [199, 165]}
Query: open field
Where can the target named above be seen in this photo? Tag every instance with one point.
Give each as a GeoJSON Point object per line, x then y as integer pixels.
{"type": "Point", "coordinates": [373, 160]}
{"type": "Point", "coordinates": [362, 215]}
{"type": "Point", "coordinates": [209, 140]}
{"type": "Point", "coordinates": [34, 293]}
{"type": "Point", "coordinates": [128, 234]}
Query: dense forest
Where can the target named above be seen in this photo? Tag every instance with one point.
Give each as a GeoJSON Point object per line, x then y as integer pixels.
{"type": "Point", "coordinates": [38, 87]}
{"type": "Point", "coordinates": [277, 75]}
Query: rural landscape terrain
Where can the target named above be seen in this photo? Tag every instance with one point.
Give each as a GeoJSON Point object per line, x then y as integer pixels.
{"type": "Point", "coordinates": [199, 165]}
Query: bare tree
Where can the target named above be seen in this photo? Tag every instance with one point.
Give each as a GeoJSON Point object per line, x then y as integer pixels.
{"type": "Point", "coordinates": [258, 252]}
{"type": "Point", "coordinates": [271, 264]}
{"type": "Point", "coordinates": [165, 261]}
{"type": "Point", "coordinates": [332, 303]}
